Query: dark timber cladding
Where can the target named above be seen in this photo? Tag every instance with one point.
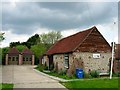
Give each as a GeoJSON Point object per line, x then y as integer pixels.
{"type": "Point", "coordinates": [89, 40]}
{"type": "Point", "coordinates": [94, 42]}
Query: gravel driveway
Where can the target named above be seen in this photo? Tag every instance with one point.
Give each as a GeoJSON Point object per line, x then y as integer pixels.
{"type": "Point", "coordinates": [25, 77]}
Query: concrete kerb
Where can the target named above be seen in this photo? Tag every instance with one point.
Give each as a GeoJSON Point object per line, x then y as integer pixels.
{"type": "Point", "coordinates": [64, 80]}
{"type": "Point", "coordinates": [56, 78]}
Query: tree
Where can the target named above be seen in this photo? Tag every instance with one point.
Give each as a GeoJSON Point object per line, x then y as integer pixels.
{"type": "Point", "coordinates": [38, 50]}
{"type": "Point", "coordinates": [14, 44]}
{"type": "Point", "coordinates": [21, 47]}
{"type": "Point", "coordinates": [4, 51]}
{"type": "Point", "coordinates": [1, 37]}
{"type": "Point", "coordinates": [51, 37]}
{"type": "Point", "coordinates": [34, 40]}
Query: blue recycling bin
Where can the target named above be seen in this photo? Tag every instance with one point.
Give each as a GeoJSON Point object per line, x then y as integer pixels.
{"type": "Point", "coordinates": [79, 73]}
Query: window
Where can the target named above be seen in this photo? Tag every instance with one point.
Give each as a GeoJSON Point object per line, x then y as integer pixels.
{"type": "Point", "coordinates": [30, 58]}
{"type": "Point", "coordinates": [13, 58]}
{"type": "Point", "coordinates": [26, 58]}
{"type": "Point", "coordinates": [66, 60]}
{"type": "Point", "coordinates": [23, 58]}
{"type": "Point", "coordinates": [16, 58]}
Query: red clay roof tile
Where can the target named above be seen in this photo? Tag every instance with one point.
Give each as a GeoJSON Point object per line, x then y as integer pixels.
{"type": "Point", "coordinates": [13, 51]}
{"type": "Point", "coordinates": [27, 51]}
{"type": "Point", "coordinates": [69, 43]}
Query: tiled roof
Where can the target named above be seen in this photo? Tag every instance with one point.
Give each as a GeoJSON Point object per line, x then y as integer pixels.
{"type": "Point", "coordinates": [13, 51]}
{"type": "Point", "coordinates": [27, 51]}
{"type": "Point", "coordinates": [69, 43]}
{"type": "Point", "coordinates": [117, 51]}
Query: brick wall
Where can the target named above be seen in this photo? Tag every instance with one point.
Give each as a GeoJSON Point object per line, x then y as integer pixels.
{"type": "Point", "coordinates": [116, 66]}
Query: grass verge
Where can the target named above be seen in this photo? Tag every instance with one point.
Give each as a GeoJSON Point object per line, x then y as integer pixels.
{"type": "Point", "coordinates": [6, 86]}
{"type": "Point", "coordinates": [93, 83]}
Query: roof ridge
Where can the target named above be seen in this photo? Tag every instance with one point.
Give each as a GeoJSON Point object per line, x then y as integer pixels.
{"type": "Point", "coordinates": [78, 33]}
{"type": "Point", "coordinates": [83, 34]}
{"type": "Point", "coordinates": [12, 49]}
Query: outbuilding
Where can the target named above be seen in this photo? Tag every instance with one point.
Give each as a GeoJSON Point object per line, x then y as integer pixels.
{"type": "Point", "coordinates": [28, 57]}
{"type": "Point", "coordinates": [14, 57]}
{"type": "Point", "coordinates": [87, 50]}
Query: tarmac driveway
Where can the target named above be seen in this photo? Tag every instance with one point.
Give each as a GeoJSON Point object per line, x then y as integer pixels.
{"type": "Point", "coordinates": [25, 77]}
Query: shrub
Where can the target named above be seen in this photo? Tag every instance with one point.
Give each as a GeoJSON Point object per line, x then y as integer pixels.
{"type": "Point", "coordinates": [62, 72]}
{"type": "Point", "coordinates": [116, 74]}
{"type": "Point", "coordinates": [40, 67]}
{"type": "Point", "coordinates": [86, 75]}
{"type": "Point", "coordinates": [51, 66]}
{"type": "Point", "coordinates": [45, 67]}
{"type": "Point", "coordinates": [94, 74]}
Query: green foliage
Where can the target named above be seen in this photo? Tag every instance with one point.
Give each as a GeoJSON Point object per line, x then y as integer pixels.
{"type": "Point", "coordinates": [94, 74]}
{"type": "Point", "coordinates": [1, 37]}
{"type": "Point", "coordinates": [38, 50]}
{"type": "Point", "coordinates": [21, 47]}
{"type": "Point", "coordinates": [51, 37]}
{"type": "Point", "coordinates": [86, 75]}
{"type": "Point", "coordinates": [34, 40]}
{"type": "Point", "coordinates": [62, 72]}
{"type": "Point", "coordinates": [7, 86]}
{"type": "Point", "coordinates": [51, 66]}
{"type": "Point", "coordinates": [116, 74]}
{"type": "Point", "coordinates": [4, 51]}
{"type": "Point", "coordinates": [14, 44]}
{"type": "Point", "coordinates": [40, 67]}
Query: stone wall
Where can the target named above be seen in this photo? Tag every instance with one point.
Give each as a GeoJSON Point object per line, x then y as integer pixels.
{"type": "Point", "coordinates": [46, 60]}
{"type": "Point", "coordinates": [83, 60]}
{"type": "Point", "coordinates": [58, 61]}
{"type": "Point", "coordinates": [101, 64]}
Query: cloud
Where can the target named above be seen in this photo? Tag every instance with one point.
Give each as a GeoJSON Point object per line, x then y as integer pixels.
{"type": "Point", "coordinates": [10, 37]}
{"type": "Point", "coordinates": [27, 17]}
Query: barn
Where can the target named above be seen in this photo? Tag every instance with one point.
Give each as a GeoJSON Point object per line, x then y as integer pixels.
{"type": "Point", "coordinates": [14, 57]}
{"type": "Point", "coordinates": [87, 49]}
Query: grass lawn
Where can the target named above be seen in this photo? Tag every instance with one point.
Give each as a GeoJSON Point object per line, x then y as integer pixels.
{"type": "Point", "coordinates": [93, 83]}
{"type": "Point", "coordinates": [6, 86]}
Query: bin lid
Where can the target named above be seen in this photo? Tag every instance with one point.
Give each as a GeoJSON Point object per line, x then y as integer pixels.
{"type": "Point", "coordinates": [79, 68]}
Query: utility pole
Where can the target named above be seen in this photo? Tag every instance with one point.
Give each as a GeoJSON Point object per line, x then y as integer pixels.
{"type": "Point", "coordinates": [112, 60]}
{"type": "Point", "coordinates": [113, 47]}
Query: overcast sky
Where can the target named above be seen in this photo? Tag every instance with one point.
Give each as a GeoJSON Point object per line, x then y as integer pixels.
{"type": "Point", "coordinates": [20, 20]}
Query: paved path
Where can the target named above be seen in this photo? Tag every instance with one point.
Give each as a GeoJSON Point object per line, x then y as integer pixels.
{"type": "Point", "coordinates": [25, 77]}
